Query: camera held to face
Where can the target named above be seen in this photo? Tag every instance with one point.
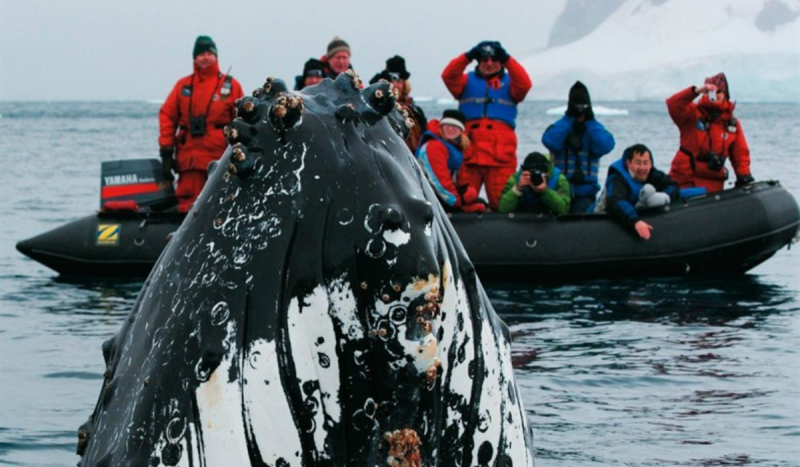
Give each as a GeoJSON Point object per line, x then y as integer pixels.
{"type": "Point", "coordinates": [537, 177]}
{"type": "Point", "coordinates": [197, 125]}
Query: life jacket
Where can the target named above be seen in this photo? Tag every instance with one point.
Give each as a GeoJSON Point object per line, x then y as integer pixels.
{"type": "Point", "coordinates": [531, 200]}
{"type": "Point", "coordinates": [454, 156]}
{"type": "Point", "coordinates": [636, 187]}
{"type": "Point", "coordinates": [707, 127]}
{"type": "Point", "coordinates": [481, 100]}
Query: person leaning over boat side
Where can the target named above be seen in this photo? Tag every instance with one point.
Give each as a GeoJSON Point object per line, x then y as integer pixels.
{"type": "Point", "coordinates": [440, 154]}
{"type": "Point", "coordinates": [337, 57]}
{"type": "Point", "coordinates": [538, 186]}
{"type": "Point", "coordinates": [313, 73]}
{"type": "Point", "coordinates": [396, 73]}
{"type": "Point", "coordinates": [634, 183]}
{"type": "Point", "coordinates": [191, 121]}
{"type": "Point", "coordinates": [488, 96]}
{"type": "Point", "coordinates": [709, 135]}
{"type": "Point", "coordinates": [577, 141]}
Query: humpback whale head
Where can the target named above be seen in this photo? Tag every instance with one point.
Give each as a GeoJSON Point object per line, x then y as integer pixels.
{"type": "Point", "coordinates": [314, 308]}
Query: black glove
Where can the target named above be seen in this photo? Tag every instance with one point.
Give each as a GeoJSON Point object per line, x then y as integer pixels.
{"type": "Point", "coordinates": [475, 52]}
{"type": "Point", "coordinates": [589, 114]}
{"type": "Point", "coordinates": [167, 162]}
{"type": "Point", "coordinates": [500, 53]}
{"type": "Point", "coordinates": [743, 180]}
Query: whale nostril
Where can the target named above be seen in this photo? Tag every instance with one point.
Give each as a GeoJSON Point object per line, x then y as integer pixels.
{"type": "Point", "coordinates": [394, 219]}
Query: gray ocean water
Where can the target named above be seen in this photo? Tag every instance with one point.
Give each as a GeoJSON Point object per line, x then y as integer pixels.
{"type": "Point", "coordinates": [701, 371]}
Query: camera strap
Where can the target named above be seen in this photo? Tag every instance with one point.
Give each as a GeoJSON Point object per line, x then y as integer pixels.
{"type": "Point", "coordinates": [210, 100]}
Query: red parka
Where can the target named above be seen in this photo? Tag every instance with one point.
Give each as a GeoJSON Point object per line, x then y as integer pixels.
{"type": "Point", "coordinates": [701, 133]}
{"type": "Point", "coordinates": [202, 91]}
{"type": "Point", "coordinates": [494, 143]}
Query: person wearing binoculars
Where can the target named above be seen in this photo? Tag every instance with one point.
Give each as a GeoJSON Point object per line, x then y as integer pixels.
{"type": "Point", "coordinates": [577, 141]}
{"type": "Point", "coordinates": [488, 96]}
{"type": "Point", "coordinates": [536, 187]}
{"type": "Point", "coordinates": [396, 74]}
{"type": "Point", "coordinates": [632, 184]}
{"type": "Point", "coordinates": [709, 136]}
{"type": "Point", "coordinates": [191, 121]}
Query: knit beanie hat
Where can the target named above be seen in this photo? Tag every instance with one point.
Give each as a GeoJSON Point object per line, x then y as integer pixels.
{"type": "Point", "coordinates": [204, 44]}
{"type": "Point", "coordinates": [536, 162]}
{"type": "Point", "coordinates": [579, 100]}
{"type": "Point", "coordinates": [314, 64]}
{"type": "Point", "coordinates": [454, 117]}
{"type": "Point", "coordinates": [720, 82]}
{"type": "Point", "coordinates": [337, 45]}
{"type": "Point", "coordinates": [397, 64]}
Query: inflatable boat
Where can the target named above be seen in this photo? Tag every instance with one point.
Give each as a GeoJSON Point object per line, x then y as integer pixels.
{"type": "Point", "coordinates": [734, 230]}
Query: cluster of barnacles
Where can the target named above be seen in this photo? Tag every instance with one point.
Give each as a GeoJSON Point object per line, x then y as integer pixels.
{"type": "Point", "coordinates": [403, 448]}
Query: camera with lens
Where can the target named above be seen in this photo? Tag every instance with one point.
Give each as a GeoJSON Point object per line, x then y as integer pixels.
{"type": "Point", "coordinates": [197, 125]}
{"type": "Point", "coordinates": [716, 162]}
{"type": "Point", "coordinates": [537, 177]}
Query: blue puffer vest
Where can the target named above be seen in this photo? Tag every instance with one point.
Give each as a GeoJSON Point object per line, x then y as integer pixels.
{"type": "Point", "coordinates": [480, 100]}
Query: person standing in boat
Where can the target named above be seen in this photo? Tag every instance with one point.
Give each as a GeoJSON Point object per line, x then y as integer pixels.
{"type": "Point", "coordinates": [337, 57]}
{"type": "Point", "coordinates": [634, 183]}
{"type": "Point", "coordinates": [191, 121]}
{"type": "Point", "coordinates": [313, 73]}
{"type": "Point", "coordinates": [577, 141]}
{"type": "Point", "coordinates": [441, 154]}
{"type": "Point", "coordinates": [709, 136]}
{"type": "Point", "coordinates": [488, 96]}
{"type": "Point", "coordinates": [396, 74]}
{"type": "Point", "coordinates": [538, 186]}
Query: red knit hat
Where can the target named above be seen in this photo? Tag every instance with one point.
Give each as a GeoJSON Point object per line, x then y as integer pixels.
{"type": "Point", "coordinates": [720, 82]}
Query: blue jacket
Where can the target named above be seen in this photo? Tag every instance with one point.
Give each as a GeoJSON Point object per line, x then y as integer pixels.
{"type": "Point", "coordinates": [597, 142]}
{"type": "Point", "coordinates": [480, 100]}
{"type": "Point", "coordinates": [622, 191]}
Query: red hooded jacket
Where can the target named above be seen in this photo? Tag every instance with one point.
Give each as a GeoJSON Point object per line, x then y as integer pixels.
{"type": "Point", "coordinates": [202, 91]}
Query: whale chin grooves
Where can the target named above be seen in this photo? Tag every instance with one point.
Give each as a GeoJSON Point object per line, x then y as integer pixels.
{"type": "Point", "coordinates": [315, 308]}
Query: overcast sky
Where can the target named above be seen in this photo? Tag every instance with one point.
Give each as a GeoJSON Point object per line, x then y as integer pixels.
{"type": "Point", "coordinates": [136, 50]}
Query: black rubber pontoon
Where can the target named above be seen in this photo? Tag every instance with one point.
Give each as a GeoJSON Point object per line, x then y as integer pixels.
{"type": "Point", "coordinates": [734, 230]}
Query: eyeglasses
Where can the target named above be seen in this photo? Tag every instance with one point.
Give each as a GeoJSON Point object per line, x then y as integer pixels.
{"type": "Point", "coordinates": [489, 59]}
{"type": "Point", "coordinates": [314, 74]}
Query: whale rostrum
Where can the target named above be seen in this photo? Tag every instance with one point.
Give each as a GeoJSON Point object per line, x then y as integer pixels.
{"type": "Point", "coordinates": [315, 308]}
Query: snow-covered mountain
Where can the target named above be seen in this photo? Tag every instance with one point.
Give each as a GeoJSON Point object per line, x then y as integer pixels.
{"type": "Point", "coordinates": [649, 49]}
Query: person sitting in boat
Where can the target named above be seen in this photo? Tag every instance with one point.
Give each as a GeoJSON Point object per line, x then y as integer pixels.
{"type": "Point", "coordinates": [709, 136]}
{"type": "Point", "coordinates": [488, 96]}
{"type": "Point", "coordinates": [396, 74]}
{"type": "Point", "coordinates": [191, 121]}
{"type": "Point", "coordinates": [440, 154]}
{"type": "Point", "coordinates": [577, 141]}
{"type": "Point", "coordinates": [632, 184]}
{"type": "Point", "coordinates": [337, 58]}
{"type": "Point", "coordinates": [313, 73]}
{"type": "Point", "coordinates": [538, 186]}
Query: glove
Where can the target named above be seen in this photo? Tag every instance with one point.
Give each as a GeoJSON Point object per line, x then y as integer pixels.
{"type": "Point", "coordinates": [167, 162]}
{"type": "Point", "coordinates": [475, 52]}
{"type": "Point", "coordinates": [589, 114]}
{"type": "Point", "coordinates": [468, 194]}
{"type": "Point", "coordinates": [743, 180]}
{"type": "Point", "coordinates": [500, 53]}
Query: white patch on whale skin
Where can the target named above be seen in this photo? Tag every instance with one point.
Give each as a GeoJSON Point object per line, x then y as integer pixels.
{"type": "Point", "coordinates": [266, 408]}
{"type": "Point", "coordinates": [313, 343]}
{"type": "Point", "coordinates": [456, 302]}
{"type": "Point", "coordinates": [345, 310]}
{"type": "Point", "coordinates": [515, 434]}
{"type": "Point", "coordinates": [396, 237]}
{"type": "Point", "coordinates": [490, 411]}
{"type": "Point", "coordinates": [219, 403]}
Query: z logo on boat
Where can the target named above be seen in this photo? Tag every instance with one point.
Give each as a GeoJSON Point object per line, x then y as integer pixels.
{"type": "Point", "coordinates": [108, 234]}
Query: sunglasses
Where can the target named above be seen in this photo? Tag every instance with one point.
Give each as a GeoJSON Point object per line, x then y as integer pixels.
{"type": "Point", "coordinates": [488, 59]}
{"type": "Point", "coordinates": [314, 74]}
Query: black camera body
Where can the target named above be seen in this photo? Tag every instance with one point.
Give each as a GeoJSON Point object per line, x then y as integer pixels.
{"type": "Point", "coordinates": [197, 125]}
{"type": "Point", "coordinates": [716, 162]}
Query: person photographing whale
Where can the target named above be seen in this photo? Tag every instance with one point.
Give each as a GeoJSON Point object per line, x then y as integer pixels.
{"type": "Point", "coordinates": [537, 187]}
{"type": "Point", "coordinates": [191, 122]}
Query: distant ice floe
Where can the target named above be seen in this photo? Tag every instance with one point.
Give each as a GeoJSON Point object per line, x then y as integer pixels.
{"type": "Point", "coordinates": [155, 101]}
{"type": "Point", "coordinates": [597, 109]}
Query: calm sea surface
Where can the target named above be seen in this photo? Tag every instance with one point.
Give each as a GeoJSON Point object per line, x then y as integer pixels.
{"type": "Point", "coordinates": [685, 371]}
